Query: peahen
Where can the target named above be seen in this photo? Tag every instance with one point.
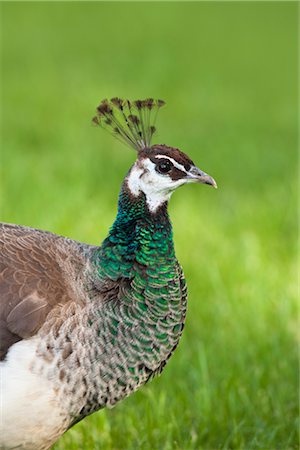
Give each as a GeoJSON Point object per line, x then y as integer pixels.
{"type": "Point", "coordinates": [82, 326]}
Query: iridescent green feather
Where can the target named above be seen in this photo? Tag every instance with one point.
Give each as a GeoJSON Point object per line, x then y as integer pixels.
{"type": "Point", "coordinates": [139, 249]}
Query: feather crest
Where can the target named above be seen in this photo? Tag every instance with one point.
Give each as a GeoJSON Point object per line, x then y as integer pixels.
{"type": "Point", "coordinates": [132, 122]}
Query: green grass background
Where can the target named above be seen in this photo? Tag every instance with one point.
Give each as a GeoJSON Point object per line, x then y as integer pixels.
{"type": "Point", "coordinates": [228, 72]}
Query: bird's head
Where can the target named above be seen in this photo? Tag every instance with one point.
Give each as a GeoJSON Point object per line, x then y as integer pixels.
{"type": "Point", "coordinates": [159, 169]}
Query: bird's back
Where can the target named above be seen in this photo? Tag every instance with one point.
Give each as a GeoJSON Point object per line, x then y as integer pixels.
{"type": "Point", "coordinates": [41, 287]}
{"type": "Point", "coordinates": [39, 272]}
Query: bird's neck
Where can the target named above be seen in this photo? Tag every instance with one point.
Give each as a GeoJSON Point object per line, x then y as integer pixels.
{"type": "Point", "coordinates": [138, 237]}
{"type": "Point", "coordinates": [142, 316]}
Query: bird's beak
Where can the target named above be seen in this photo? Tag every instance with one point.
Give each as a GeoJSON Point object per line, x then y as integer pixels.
{"type": "Point", "coordinates": [198, 176]}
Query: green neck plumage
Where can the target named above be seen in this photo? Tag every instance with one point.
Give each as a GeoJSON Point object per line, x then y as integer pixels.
{"type": "Point", "coordinates": [143, 293]}
{"type": "Point", "coordinates": [138, 238]}
{"type": "Point", "coordinates": [140, 313]}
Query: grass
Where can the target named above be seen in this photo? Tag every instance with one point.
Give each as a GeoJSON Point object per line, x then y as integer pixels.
{"type": "Point", "coordinates": [229, 74]}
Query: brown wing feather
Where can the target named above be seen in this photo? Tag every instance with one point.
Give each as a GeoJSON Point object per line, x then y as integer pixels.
{"type": "Point", "coordinates": [39, 271]}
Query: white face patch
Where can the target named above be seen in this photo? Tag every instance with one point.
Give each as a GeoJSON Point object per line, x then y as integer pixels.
{"type": "Point", "coordinates": [157, 188]}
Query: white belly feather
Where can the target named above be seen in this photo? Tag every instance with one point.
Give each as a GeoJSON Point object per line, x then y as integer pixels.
{"type": "Point", "coordinates": [30, 415]}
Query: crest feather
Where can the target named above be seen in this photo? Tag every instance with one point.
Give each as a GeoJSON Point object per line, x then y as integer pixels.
{"type": "Point", "coordinates": [132, 122]}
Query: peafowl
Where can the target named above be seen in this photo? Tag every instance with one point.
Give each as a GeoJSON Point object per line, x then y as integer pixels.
{"type": "Point", "coordinates": [82, 326]}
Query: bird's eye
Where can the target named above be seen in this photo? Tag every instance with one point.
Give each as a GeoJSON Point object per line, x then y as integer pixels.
{"type": "Point", "coordinates": [164, 166]}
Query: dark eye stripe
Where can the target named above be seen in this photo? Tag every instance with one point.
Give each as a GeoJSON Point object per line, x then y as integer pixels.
{"type": "Point", "coordinates": [176, 174]}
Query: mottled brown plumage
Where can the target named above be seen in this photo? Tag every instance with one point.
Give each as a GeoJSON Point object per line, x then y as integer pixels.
{"type": "Point", "coordinates": [39, 272]}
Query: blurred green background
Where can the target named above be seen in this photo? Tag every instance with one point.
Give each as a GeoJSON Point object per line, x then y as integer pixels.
{"type": "Point", "coordinates": [228, 72]}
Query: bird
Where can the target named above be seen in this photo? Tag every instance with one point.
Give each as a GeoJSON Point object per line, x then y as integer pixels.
{"type": "Point", "coordinates": [84, 326]}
